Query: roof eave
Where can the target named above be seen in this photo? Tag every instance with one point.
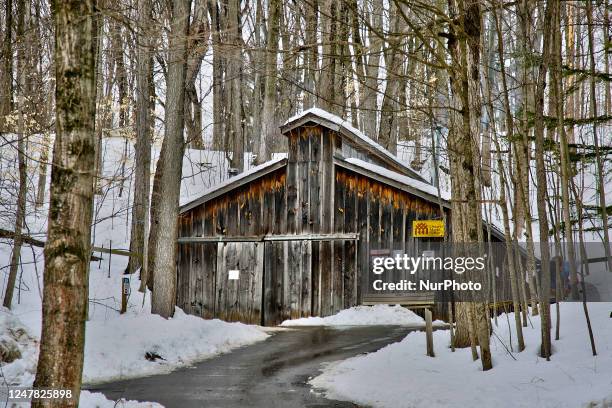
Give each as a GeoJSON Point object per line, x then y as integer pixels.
{"type": "Point", "coordinates": [391, 182]}
{"type": "Point", "coordinates": [232, 185]}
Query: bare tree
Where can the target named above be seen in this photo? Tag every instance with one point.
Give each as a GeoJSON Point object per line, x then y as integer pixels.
{"type": "Point", "coordinates": [24, 72]}
{"type": "Point", "coordinates": [197, 46]}
{"type": "Point", "coordinates": [68, 246]}
{"type": "Point", "coordinates": [6, 74]}
{"type": "Point", "coordinates": [218, 72]}
{"type": "Point", "coordinates": [233, 82]}
{"type": "Point", "coordinates": [601, 191]}
{"type": "Point", "coordinates": [144, 126]}
{"type": "Point", "coordinates": [464, 47]}
{"type": "Point", "coordinates": [269, 128]}
{"type": "Point", "coordinates": [541, 187]}
{"type": "Point", "coordinates": [164, 266]}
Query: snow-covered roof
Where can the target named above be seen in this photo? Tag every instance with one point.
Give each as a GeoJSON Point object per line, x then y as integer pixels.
{"type": "Point", "coordinates": [414, 186]}
{"type": "Point", "coordinates": [231, 183]}
{"type": "Point", "coordinates": [336, 123]}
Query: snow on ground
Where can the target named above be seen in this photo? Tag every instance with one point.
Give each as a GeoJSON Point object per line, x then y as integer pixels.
{"type": "Point", "coordinates": [115, 349]}
{"type": "Point", "coordinates": [381, 315]}
{"type": "Point", "coordinates": [401, 375]}
{"type": "Point", "coordinates": [97, 400]}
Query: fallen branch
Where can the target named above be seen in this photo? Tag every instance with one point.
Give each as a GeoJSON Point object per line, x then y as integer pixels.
{"type": "Point", "coordinates": [41, 244]}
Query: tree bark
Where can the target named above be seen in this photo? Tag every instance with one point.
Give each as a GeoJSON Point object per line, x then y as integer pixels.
{"type": "Point", "coordinates": [522, 147]}
{"type": "Point", "coordinates": [218, 67]}
{"type": "Point", "coordinates": [370, 83]}
{"type": "Point", "coordinates": [68, 247]}
{"type": "Point", "coordinates": [156, 195]}
{"type": "Point", "coordinates": [197, 46]}
{"type": "Point", "coordinates": [541, 183]}
{"type": "Point", "coordinates": [566, 173]}
{"type": "Point", "coordinates": [144, 128]}
{"type": "Point", "coordinates": [21, 157]}
{"type": "Point", "coordinates": [326, 96]}
{"type": "Point", "coordinates": [19, 219]}
{"type": "Point", "coordinates": [311, 54]}
{"type": "Point", "coordinates": [164, 266]}
{"type": "Point", "coordinates": [464, 47]}
{"type": "Point", "coordinates": [269, 128]}
{"type": "Point", "coordinates": [234, 129]}
{"type": "Point", "coordinates": [601, 186]}
{"type": "Point", "coordinates": [387, 135]}
{"type": "Point", "coordinates": [6, 79]}
{"type": "Point", "coordinates": [513, 265]}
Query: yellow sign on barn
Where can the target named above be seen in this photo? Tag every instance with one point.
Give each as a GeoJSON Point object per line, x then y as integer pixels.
{"type": "Point", "coordinates": [427, 228]}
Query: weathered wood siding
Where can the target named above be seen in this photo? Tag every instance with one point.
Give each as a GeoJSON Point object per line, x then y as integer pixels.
{"type": "Point", "coordinates": [383, 216]}
{"type": "Point", "coordinates": [203, 287]}
{"type": "Point", "coordinates": [291, 279]}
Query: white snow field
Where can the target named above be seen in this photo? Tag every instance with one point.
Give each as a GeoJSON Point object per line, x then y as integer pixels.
{"type": "Point", "coordinates": [381, 315]}
{"type": "Point", "coordinates": [401, 375]}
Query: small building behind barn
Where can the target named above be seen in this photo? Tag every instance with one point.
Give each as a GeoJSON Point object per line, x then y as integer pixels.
{"type": "Point", "coordinates": [291, 237]}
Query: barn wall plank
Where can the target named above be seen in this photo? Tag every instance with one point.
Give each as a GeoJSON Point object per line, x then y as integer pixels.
{"type": "Point", "coordinates": [350, 225]}
{"type": "Point", "coordinates": [338, 249]}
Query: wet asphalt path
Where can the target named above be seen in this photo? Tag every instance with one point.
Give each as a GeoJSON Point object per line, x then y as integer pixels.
{"type": "Point", "coordinates": [273, 373]}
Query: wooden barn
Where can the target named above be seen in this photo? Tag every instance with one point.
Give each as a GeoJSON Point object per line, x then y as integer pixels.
{"type": "Point", "coordinates": [291, 237]}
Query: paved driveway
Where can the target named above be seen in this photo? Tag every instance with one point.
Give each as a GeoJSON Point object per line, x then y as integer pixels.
{"type": "Point", "coordinates": [269, 374]}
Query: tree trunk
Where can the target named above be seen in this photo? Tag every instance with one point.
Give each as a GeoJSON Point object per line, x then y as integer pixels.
{"type": "Point", "coordinates": [326, 95]}
{"type": "Point", "coordinates": [311, 54]}
{"type": "Point", "coordinates": [256, 104]}
{"type": "Point", "coordinates": [269, 128]}
{"type": "Point", "coordinates": [465, 76]}
{"type": "Point", "coordinates": [387, 135]}
{"type": "Point", "coordinates": [513, 263]}
{"type": "Point", "coordinates": [68, 247]}
{"type": "Point", "coordinates": [370, 83]}
{"type": "Point", "coordinates": [156, 195]}
{"type": "Point", "coordinates": [233, 80]}
{"type": "Point", "coordinates": [144, 121]}
{"type": "Point", "coordinates": [6, 77]}
{"type": "Point", "coordinates": [21, 157]}
{"type": "Point", "coordinates": [218, 68]}
{"type": "Point", "coordinates": [122, 94]}
{"type": "Point", "coordinates": [541, 183]}
{"type": "Point", "coordinates": [566, 173]}
{"type": "Point", "coordinates": [197, 46]}
{"type": "Point", "coordinates": [19, 217]}
{"type": "Point", "coordinates": [522, 146]}
{"type": "Point", "coordinates": [164, 266]}
{"type": "Point", "coordinates": [601, 186]}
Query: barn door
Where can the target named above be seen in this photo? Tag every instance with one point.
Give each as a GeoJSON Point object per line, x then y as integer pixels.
{"type": "Point", "coordinates": [239, 294]}
{"type": "Point", "coordinates": [287, 281]}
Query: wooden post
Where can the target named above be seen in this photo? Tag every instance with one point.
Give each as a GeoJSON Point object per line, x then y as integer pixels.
{"type": "Point", "coordinates": [110, 257]}
{"type": "Point", "coordinates": [429, 333]}
{"type": "Point", "coordinates": [125, 292]}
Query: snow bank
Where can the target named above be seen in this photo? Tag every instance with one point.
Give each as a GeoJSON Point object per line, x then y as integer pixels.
{"type": "Point", "coordinates": [115, 349]}
{"type": "Point", "coordinates": [21, 346]}
{"type": "Point", "coordinates": [98, 400]}
{"type": "Point", "coordinates": [400, 375]}
{"type": "Point", "coordinates": [362, 316]}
